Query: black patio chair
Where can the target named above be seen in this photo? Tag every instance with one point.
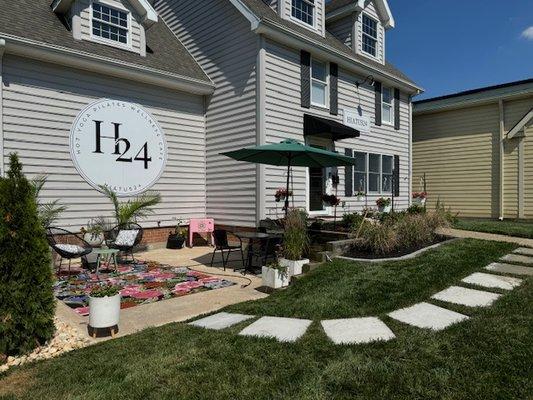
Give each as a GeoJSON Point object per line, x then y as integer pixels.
{"type": "Point", "coordinates": [67, 245]}
{"type": "Point", "coordinates": [124, 237]}
{"type": "Point", "coordinates": [222, 245]}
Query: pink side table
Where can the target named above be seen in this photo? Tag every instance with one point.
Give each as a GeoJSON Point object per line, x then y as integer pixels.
{"type": "Point", "coordinates": [206, 225]}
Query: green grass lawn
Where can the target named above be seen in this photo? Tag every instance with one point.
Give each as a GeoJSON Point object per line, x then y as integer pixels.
{"type": "Point", "coordinates": [486, 357]}
{"type": "Point", "coordinates": [509, 228]}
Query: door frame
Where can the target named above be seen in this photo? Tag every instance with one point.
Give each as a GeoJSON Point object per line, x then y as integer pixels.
{"type": "Point", "coordinates": [328, 144]}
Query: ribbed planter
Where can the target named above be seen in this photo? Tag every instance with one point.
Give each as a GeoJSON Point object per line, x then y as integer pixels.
{"type": "Point", "coordinates": [294, 267]}
{"type": "Point", "coordinates": [274, 278]}
{"type": "Point", "coordinates": [104, 312]}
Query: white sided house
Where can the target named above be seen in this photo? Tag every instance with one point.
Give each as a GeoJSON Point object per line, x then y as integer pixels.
{"type": "Point", "coordinates": [139, 95]}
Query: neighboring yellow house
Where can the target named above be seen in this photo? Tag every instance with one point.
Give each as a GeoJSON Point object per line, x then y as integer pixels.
{"type": "Point", "coordinates": [475, 150]}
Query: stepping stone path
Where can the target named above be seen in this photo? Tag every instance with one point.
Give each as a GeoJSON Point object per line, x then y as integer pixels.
{"type": "Point", "coordinates": [509, 269]}
{"type": "Point", "coordinates": [526, 251]}
{"type": "Point", "coordinates": [425, 315]}
{"type": "Point", "coordinates": [283, 329]}
{"type": "Point", "coordinates": [517, 258]}
{"type": "Point", "coordinates": [492, 281]}
{"type": "Point", "coordinates": [466, 297]}
{"type": "Point", "coordinates": [357, 330]}
{"type": "Point", "coordinates": [220, 321]}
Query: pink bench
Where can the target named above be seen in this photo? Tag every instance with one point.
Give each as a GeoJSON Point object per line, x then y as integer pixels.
{"type": "Point", "coordinates": [206, 225]}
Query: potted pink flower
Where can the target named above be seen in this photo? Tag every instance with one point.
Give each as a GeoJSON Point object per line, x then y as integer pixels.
{"type": "Point", "coordinates": [384, 205]}
{"type": "Point", "coordinates": [419, 198]}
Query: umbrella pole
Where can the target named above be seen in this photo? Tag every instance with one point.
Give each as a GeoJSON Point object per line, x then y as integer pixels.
{"type": "Point", "coordinates": [288, 183]}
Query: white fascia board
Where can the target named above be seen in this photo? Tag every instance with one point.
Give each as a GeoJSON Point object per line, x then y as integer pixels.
{"type": "Point", "coordinates": [294, 39]}
{"type": "Point", "coordinates": [386, 14]}
{"type": "Point", "coordinates": [106, 66]}
{"type": "Point", "coordinates": [520, 125]}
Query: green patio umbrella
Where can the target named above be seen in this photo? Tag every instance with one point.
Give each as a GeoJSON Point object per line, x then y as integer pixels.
{"type": "Point", "coordinates": [290, 153]}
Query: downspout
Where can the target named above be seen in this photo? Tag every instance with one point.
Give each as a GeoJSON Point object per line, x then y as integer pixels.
{"type": "Point", "coordinates": [502, 152]}
{"type": "Point", "coordinates": [260, 105]}
{"type": "Point", "coordinates": [2, 51]}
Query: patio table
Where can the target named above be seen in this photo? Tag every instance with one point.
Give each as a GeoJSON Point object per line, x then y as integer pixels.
{"type": "Point", "coordinates": [256, 237]}
{"type": "Point", "coordinates": [107, 255]}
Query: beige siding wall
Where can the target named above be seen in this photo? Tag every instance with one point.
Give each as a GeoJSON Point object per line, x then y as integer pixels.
{"type": "Point", "coordinates": [510, 178]}
{"type": "Point", "coordinates": [40, 104]}
{"type": "Point", "coordinates": [528, 174]}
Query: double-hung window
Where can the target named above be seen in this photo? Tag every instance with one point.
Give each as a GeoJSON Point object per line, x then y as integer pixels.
{"type": "Point", "coordinates": [304, 10]}
{"type": "Point", "coordinates": [370, 35]}
{"type": "Point", "coordinates": [319, 83]}
{"type": "Point", "coordinates": [360, 172]}
{"type": "Point", "coordinates": [373, 173]}
{"type": "Point", "coordinates": [386, 174]}
{"type": "Point", "coordinates": [109, 23]}
{"type": "Point", "coordinates": [387, 106]}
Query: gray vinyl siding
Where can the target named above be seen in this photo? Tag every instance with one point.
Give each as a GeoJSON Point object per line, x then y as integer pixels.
{"type": "Point", "coordinates": [219, 38]}
{"type": "Point", "coordinates": [371, 11]}
{"type": "Point", "coordinates": [284, 119]}
{"type": "Point", "coordinates": [40, 103]}
{"type": "Point", "coordinates": [273, 4]}
{"type": "Point", "coordinates": [319, 15]}
{"type": "Point", "coordinates": [343, 29]}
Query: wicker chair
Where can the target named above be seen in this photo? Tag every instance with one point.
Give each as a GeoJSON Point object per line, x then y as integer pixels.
{"type": "Point", "coordinates": [125, 237]}
{"type": "Point", "coordinates": [67, 244]}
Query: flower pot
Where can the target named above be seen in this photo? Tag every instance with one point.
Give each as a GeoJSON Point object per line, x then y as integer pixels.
{"type": "Point", "coordinates": [419, 201]}
{"type": "Point", "coordinates": [104, 312]}
{"type": "Point", "coordinates": [294, 267]}
{"type": "Point", "coordinates": [274, 278]}
{"type": "Point", "coordinates": [385, 209]}
{"type": "Point", "coordinates": [94, 239]}
{"type": "Point", "coordinates": [175, 242]}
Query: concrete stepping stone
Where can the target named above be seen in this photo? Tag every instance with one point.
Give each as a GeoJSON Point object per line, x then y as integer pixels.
{"type": "Point", "coordinates": [425, 315]}
{"type": "Point", "coordinates": [357, 330]}
{"type": "Point", "coordinates": [518, 258]}
{"type": "Point", "coordinates": [509, 269]}
{"type": "Point", "coordinates": [466, 297]}
{"type": "Point", "coordinates": [220, 321]}
{"type": "Point", "coordinates": [492, 281]}
{"type": "Point", "coordinates": [282, 329]}
{"type": "Point", "coordinates": [526, 251]}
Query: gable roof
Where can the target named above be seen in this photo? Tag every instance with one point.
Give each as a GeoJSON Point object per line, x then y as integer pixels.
{"type": "Point", "coordinates": [265, 13]}
{"type": "Point", "coordinates": [520, 124]}
{"type": "Point", "coordinates": [337, 8]}
{"type": "Point", "coordinates": [165, 56]}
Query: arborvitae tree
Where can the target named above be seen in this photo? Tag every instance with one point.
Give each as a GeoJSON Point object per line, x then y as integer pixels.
{"type": "Point", "coordinates": [27, 303]}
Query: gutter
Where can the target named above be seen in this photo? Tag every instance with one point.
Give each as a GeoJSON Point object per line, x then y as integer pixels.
{"type": "Point", "coordinates": [284, 35]}
{"type": "Point", "coordinates": [104, 65]}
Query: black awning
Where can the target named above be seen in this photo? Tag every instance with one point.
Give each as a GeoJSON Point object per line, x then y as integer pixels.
{"type": "Point", "coordinates": [327, 128]}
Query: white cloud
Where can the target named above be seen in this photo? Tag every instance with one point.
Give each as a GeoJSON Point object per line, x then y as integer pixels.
{"type": "Point", "coordinates": [528, 33]}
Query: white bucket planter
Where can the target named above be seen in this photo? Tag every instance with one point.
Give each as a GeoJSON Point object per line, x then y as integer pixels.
{"type": "Point", "coordinates": [94, 239]}
{"type": "Point", "coordinates": [274, 278]}
{"type": "Point", "coordinates": [294, 267]}
{"type": "Point", "coordinates": [104, 312]}
{"type": "Point", "coordinates": [419, 201]}
{"type": "Point", "coordinates": [386, 209]}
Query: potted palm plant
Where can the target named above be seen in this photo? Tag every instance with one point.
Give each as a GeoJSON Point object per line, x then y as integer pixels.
{"type": "Point", "coordinates": [104, 306]}
{"type": "Point", "coordinates": [384, 205]}
{"type": "Point", "coordinates": [176, 239]}
{"type": "Point", "coordinates": [295, 242]}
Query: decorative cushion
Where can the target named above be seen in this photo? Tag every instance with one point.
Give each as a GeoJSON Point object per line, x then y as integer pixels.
{"type": "Point", "coordinates": [70, 248]}
{"type": "Point", "coordinates": [126, 237]}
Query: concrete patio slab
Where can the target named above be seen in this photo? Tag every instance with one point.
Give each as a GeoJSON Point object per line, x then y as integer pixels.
{"type": "Point", "coordinates": [466, 297]}
{"type": "Point", "coordinates": [509, 269]}
{"type": "Point", "coordinates": [282, 329]}
{"type": "Point", "coordinates": [220, 321]}
{"type": "Point", "coordinates": [357, 330]}
{"type": "Point", "coordinates": [526, 251]}
{"type": "Point", "coordinates": [518, 258]}
{"type": "Point", "coordinates": [492, 281]}
{"type": "Point", "coordinates": [425, 315]}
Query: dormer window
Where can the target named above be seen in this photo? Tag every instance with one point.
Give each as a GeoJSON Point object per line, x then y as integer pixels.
{"type": "Point", "coordinates": [110, 23]}
{"type": "Point", "coordinates": [370, 35]}
{"type": "Point", "coordinates": [304, 10]}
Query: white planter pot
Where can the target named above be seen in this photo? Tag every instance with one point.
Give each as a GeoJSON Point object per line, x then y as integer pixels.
{"type": "Point", "coordinates": [273, 278]}
{"type": "Point", "coordinates": [386, 209]}
{"type": "Point", "coordinates": [94, 239]}
{"type": "Point", "coordinates": [104, 312]}
{"type": "Point", "coordinates": [419, 202]}
{"type": "Point", "coordinates": [294, 267]}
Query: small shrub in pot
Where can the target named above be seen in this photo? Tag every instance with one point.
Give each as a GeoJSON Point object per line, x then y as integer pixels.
{"type": "Point", "coordinates": [295, 242]}
{"type": "Point", "coordinates": [104, 306]}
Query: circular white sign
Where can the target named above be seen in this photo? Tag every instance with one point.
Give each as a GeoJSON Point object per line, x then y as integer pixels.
{"type": "Point", "coordinates": [118, 144]}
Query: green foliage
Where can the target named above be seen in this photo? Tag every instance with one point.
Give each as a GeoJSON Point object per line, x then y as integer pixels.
{"type": "Point", "coordinates": [48, 212]}
{"type": "Point", "coordinates": [295, 237]}
{"type": "Point", "coordinates": [416, 230]}
{"type": "Point", "coordinates": [133, 209]}
{"type": "Point", "coordinates": [416, 209]}
{"type": "Point", "coordinates": [27, 303]}
{"type": "Point", "coordinates": [105, 291]}
{"type": "Point", "coordinates": [446, 213]}
{"type": "Point", "coordinates": [351, 220]}
{"type": "Point", "coordinates": [378, 238]}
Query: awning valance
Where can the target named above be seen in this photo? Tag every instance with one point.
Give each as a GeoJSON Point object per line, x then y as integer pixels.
{"type": "Point", "coordinates": [327, 128]}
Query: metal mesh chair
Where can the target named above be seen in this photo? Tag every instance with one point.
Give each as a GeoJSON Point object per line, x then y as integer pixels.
{"type": "Point", "coordinates": [221, 244]}
{"type": "Point", "coordinates": [124, 237]}
{"type": "Point", "coordinates": [67, 245]}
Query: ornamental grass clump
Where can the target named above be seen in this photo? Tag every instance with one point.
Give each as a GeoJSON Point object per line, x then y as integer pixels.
{"type": "Point", "coordinates": [27, 303]}
{"type": "Point", "coordinates": [295, 237]}
{"type": "Point", "coordinates": [378, 238]}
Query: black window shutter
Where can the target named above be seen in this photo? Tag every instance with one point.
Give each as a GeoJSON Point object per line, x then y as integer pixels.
{"type": "Point", "coordinates": [348, 176]}
{"type": "Point", "coordinates": [334, 89]}
{"type": "Point", "coordinates": [305, 67]}
{"type": "Point", "coordinates": [397, 109]}
{"type": "Point", "coordinates": [396, 176]}
{"type": "Point", "coordinates": [377, 91]}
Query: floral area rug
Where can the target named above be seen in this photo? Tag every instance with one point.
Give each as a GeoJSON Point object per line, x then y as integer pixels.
{"type": "Point", "coordinates": [141, 283]}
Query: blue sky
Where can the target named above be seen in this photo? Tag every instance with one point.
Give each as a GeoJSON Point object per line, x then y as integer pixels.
{"type": "Point", "coordinates": [450, 46]}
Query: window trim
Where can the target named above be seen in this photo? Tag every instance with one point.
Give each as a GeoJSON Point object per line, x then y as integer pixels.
{"type": "Point", "coordinates": [380, 192]}
{"type": "Point", "coordinates": [303, 23]}
{"type": "Point", "coordinates": [110, 42]}
{"type": "Point", "coordinates": [363, 34]}
{"type": "Point", "coordinates": [391, 104]}
{"type": "Point", "coordinates": [326, 82]}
